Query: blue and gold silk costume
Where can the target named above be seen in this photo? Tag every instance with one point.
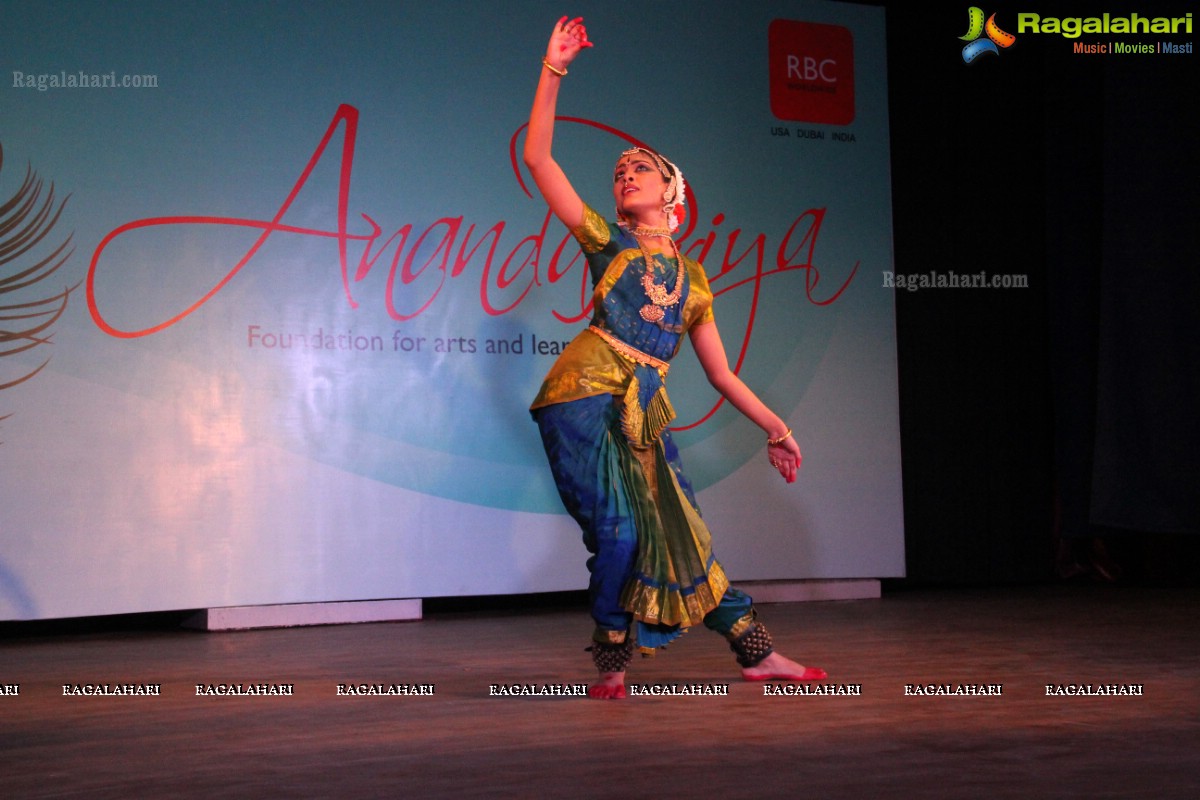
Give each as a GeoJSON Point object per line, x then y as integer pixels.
{"type": "Point", "coordinates": [603, 413]}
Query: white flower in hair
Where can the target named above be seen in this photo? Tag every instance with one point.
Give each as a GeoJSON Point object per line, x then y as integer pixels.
{"type": "Point", "coordinates": [675, 207]}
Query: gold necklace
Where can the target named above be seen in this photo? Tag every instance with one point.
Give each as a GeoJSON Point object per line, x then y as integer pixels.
{"type": "Point", "coordinates": [659, 297]}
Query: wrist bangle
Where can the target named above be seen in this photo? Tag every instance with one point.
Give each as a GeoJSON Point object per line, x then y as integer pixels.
{"type": "Point", "coordinates": [562, 73]}
{"type": "Point", "coordinates": [772, 442]}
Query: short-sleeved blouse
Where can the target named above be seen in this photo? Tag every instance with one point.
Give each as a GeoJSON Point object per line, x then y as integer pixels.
{"type": "Point", "coordinates": [590, 365]}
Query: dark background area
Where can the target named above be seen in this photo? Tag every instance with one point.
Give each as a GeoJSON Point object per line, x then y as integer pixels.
{"type": "Point", "coordinates": [1047, 433]}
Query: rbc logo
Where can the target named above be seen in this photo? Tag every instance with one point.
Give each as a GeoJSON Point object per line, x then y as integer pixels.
{"type": "Point", "coordinates": [812, 69]}
{"type": "Point", "coordinates": [811, 72]}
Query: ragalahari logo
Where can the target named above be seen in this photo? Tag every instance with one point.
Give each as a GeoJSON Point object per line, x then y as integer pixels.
{"type": "Point", "coordinates": [976, 28]}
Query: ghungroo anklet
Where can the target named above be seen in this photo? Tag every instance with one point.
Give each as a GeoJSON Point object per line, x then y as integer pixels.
{"type": "Point", "coordinates": [752, 646]}
{"type": "Point", "coordinates": [611, 657]}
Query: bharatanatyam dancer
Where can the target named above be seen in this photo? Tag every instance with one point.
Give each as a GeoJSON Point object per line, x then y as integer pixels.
{"type": "Point", "coordinates": [603, 411]}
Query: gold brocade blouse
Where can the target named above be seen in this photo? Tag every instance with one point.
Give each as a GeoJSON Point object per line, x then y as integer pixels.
{"type": "Point", "coordinates": [589, 365]}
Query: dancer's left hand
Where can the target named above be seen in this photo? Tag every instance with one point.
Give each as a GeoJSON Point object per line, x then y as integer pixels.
{"type": "Point", "coordinates": [786, 458]}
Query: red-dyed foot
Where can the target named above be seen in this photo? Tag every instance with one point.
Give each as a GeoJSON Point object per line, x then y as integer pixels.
{"type": "Point", "coordinates": [611, 686]}
{"type": "Point", "coordinates": [778, 668]}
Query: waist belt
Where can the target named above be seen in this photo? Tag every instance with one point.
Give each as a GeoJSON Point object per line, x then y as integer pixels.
{"type": "Point", "coordinates": [647, 410]}
{"type": "Point", "coordinates": [629, 351]}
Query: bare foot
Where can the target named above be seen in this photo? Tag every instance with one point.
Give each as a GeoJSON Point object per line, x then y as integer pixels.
{"type": "Point", "coordinates": [776, 667]}
{"type": "Point", "coordinates": [610, 686]}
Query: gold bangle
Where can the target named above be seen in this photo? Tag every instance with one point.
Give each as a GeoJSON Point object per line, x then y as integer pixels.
{"type": "Point", "coordinates": [562, 73]}
{"type": "Point", "coordinates": [772, 442]}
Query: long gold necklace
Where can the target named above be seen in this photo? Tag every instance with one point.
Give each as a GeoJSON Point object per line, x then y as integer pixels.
{"type": "Point", "coordinates": [660, 298]}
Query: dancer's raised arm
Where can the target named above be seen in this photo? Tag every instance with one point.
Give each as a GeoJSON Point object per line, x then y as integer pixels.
{"type": "Point", "coordinates": [566, 41]}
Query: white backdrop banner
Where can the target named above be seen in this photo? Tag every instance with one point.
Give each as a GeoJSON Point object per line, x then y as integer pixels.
{"type": "Point", "coordinates": [275, 294]}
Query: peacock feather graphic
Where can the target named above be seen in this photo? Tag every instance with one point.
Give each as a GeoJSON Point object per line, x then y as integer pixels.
{"type": "Point", "coordinates": [28, 305]}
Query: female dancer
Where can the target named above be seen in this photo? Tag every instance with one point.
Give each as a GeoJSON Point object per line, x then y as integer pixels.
{"type": "Point", "coordinates": [603, 411]}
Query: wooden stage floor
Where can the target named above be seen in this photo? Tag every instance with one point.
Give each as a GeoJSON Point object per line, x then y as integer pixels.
{"type": "Point", "coordinates": [463, 742]}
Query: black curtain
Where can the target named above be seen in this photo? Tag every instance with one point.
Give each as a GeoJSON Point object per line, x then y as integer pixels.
{"type": "Point", "coordinates": [1146, 466]}
{"type": "Point", "coordinates": [1065, 409]}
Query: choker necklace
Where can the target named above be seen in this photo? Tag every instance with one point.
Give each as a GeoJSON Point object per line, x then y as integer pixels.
{"type": "Point", "coordinates": [659, 297]}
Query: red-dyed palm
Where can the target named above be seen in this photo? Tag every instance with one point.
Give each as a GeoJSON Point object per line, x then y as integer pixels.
{"type": "Point", "coordinates": [566, 41]}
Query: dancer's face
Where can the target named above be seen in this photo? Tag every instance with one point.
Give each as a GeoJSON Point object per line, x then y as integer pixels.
{"type": "Point", "coordinates": [638, 186]}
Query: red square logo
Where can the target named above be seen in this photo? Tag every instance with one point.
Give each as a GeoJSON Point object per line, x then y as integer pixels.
{"type": "Point", "coordinates": [812, 72]}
